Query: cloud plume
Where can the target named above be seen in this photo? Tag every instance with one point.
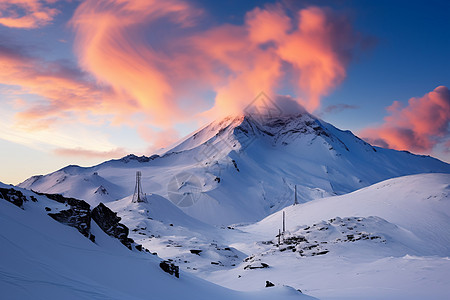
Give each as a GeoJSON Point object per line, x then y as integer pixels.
{"type": "Point", "coordinates": [158, 63]}
{"type": "Point", "coordinates": [419, 126]}
{"type": "Point", "coordinates": [166, 75]}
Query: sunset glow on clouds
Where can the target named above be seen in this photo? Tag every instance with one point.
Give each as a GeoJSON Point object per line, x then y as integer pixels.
{"type": "Point", "coordinates": [27, 13]}
{"type": "Point", "coordinates": [234, 62]}
{"type": "Point", "coordinates": [139, 70]}
{"type": "Point", "coordinates": [124, 73]}
{"type": "Point", "coordinates": [419, 127]}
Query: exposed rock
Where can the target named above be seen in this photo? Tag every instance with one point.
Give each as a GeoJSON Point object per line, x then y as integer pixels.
{"type": "Point", "coordinates": [108, 221]}
{"type": "Point", "coordinates": [14, 196]}
{"type": "Point", "coordinates": [195, 251]}
{"type": "Point", "coordinates": [132, 157]}
{"type": "Point", "coordinates": [78, 215]}
{"type": "Point", "coordinates": [101, 190]}
{"type": "Point", "coordinates": [256, 266]}
{"type": "Point", "coordinates": [269, 284]}
{"type": "Point", "coordinates": [170, 268]}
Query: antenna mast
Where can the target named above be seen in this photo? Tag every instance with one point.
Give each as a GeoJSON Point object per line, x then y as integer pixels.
{"type": "Point", "coordinates": [295, 198]}
{"type": "Point", "coordinates": [138, 195]}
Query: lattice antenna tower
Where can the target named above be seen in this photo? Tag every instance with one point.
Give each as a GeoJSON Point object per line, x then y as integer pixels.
{"type": "Point", "coordinates": [138, 195]}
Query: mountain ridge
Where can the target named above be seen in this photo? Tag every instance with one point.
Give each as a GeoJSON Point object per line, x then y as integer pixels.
{"type": "Point", "coordinates": [243, 168]}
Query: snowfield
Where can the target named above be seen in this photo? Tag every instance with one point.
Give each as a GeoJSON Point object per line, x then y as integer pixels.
{"type": "Point", "coordinates": [387, 241]}
{"type": "Point", "coordinates": [43, 259]}
{"type": "Point", "coordinates": [371, 223]}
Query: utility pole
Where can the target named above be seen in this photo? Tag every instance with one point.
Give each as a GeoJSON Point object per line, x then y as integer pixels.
{"type": "Point", "coordinates": [284, 222]}
{"type": "Point", "coordinates": [138, 195]}
{"type": "Point", "coordinates": [295, 196]}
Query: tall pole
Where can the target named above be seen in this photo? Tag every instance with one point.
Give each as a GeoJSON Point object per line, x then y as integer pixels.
{"type": "Point", "coordinates": [295, 197]}
{"type": "Point", "coordinates": [284, 222]}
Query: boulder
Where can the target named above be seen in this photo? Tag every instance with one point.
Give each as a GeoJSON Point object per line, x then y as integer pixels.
{"type": "Point", "coordinates": [170, 268]}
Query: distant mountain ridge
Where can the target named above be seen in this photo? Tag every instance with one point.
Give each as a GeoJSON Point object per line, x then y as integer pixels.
{"type": "Point", "coordinates": [243, 168]}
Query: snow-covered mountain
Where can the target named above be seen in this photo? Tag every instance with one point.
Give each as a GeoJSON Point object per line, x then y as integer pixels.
{"type": "Point", "coordinates": [244, 168]}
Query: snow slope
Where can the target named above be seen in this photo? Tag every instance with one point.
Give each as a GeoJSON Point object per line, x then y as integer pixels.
{"type": "Point", "coordinates": [387, 241]}
{"type": "Point", "coordinates": [43, 259]}
{"type": "Point", "coordinates": [242, 169]}
{"type": "Point", "coordinates": [390, 240]}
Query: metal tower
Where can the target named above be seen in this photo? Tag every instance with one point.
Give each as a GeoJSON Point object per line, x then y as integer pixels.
{"type": "Point", "coordinates": [138, 195]}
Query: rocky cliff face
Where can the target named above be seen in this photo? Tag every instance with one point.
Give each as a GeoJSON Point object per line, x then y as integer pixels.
{"type": "Point", "coordinates": [108, 221]}
{"type": "Point", "coordinates": [78, 215]}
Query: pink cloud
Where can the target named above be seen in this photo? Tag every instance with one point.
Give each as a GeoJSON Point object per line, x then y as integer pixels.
{"type": "Point", "coordinates": [235, 62]}
{"type": "Point", "coordinates": [64, 89]}
{"type": "Point", "coordinates": [158, 138]}
{"type": "Point", "coordinates": [86, 153]}
{"type": "Point", "coordinates": [26, 13]}
{"type": "Point", "coordinates": [151, 62]}
{"type": "Point", "coordinates": [419, 126]}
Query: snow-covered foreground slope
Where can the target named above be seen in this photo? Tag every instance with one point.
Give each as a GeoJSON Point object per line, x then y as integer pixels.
{"type": "Point", "coordinates": [390, 240]}
{"type": "Point", "coordinates": [387, 241]}
{"type": "Point", "coordinates": [242, 169]}
{"type": "Point", "coordinates": [43, 259]}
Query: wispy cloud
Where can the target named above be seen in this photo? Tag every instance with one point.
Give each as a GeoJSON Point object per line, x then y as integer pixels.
{"type": "Point", "coordinates": [152, 62]}
{"type": "Point", "coordinates": [163, 76]}
{"type": "Point", "coordinates": [87, 153]}
{"type": "Point", "coordinates": [63, 89]}
{"type": "Point", "coordinates": [27, 13]}
{"type": "Point", "coordinates": [336, 108]}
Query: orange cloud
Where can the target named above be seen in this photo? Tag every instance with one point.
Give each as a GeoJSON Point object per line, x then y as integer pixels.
{"type": "Point", "coordinates": [152, 62]}
{"type": "Point", "coordinates": [420, 126]}
{"type": "Point", "coordinates": [63, 89]}
{"type": "Point", "coordinates": [160, 75]}
{"type": "Point", "coordinates": [111, 45]}
{"type": "Point", "coordinates": [26, 13]}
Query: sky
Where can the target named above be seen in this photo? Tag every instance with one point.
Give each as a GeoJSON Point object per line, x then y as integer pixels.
{"type": "Point", "coordinates": [82, 82]}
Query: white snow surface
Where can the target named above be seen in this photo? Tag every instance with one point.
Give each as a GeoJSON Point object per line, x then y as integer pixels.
{"type": "Point", "coordinates": [43, 259]}
{"type": "Point", "coordinates": [372, 223]}
{"type": "Point", "coordinates": [390, 240]}
{"type": "Point", "coordinates": [386, 241]}
{"type": "Point", "coordinates": [242, 169]}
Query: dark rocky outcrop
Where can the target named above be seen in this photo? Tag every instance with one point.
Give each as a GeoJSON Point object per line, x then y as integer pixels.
{"type": "Point", "coordinates": [195, 251]}
{"type": "Point", "coordinates": [256, 266]}
{"type": "Point", "coordinates": [108, 221]}
{"type": "Point", "coordinates": [78, 215]}
{"type": "Point", "coordinates": [170, 268]}
{"type": "Point", "coordinates": [269, 284]}
{"type": "Point", "coordinates": [101, 190]}
{"type": "Point", "coordinates": [14, 196]}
